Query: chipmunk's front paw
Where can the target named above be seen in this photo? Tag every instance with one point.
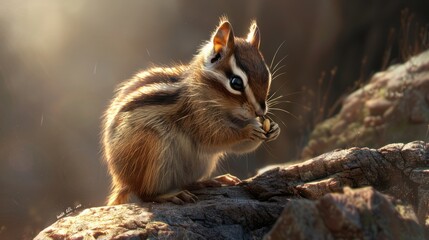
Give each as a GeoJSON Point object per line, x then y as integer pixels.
{"type": "Point", "coordinates": [255, 132]}
{"type": "Point", "coordinates": [273, 133]}
{"type": "Point", "coordinates": [228, 179]}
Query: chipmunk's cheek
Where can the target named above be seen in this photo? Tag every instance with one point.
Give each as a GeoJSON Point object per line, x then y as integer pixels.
{"type": "Point", "coordinates": [243, 112]}
{"type": "Point", "coordinates": [248, 111]}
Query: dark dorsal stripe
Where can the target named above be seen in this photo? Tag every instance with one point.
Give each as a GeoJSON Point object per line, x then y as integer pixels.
{"type": "Point", "coordinates": [164, 78]}
{"type": "Point", "coordinates": [151, 99]}
{"type": "Point", "coordinates": [153, 78]}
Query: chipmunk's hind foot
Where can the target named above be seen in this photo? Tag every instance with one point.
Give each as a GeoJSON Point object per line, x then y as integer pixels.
{"type": "Point", "coordinates": [178, 198]}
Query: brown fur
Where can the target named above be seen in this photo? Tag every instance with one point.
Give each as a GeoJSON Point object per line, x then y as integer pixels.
{"type": "Point", "coordinates": [153, 145]}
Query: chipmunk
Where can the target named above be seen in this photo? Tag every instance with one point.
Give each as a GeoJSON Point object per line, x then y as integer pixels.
{"type": "Point", "coordinates": [167, 128]}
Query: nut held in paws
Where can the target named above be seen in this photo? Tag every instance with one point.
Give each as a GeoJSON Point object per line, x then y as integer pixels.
{"type": "Point", "coordinates": [266, 125]}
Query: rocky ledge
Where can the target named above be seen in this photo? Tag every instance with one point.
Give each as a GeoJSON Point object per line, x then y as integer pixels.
{"type": "Point", "coordinates": [359, 193]}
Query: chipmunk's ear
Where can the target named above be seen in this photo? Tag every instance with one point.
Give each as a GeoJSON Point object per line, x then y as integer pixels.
{"type": "Point", "coordinates": [223, 37]}
{"type": "Point", "coordinates": [254, 36]}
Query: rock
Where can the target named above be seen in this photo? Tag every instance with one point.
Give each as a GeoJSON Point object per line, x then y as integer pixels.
{"type": "Point", "coordinates": [338, 127]}
{"type": "Point", "coordinates": [316, 196]}
{"type": "Point", "coordinates": [355, 214]}
{"type": "Point", "coordinates": [391, 107]}
{"type": "Point", "coordinates": [299, 220]}
{"type": "Point", "coordinates": [371, 121]}
{"type": "Point", "coordinates": [377, 106]}
{"type": "Point", "coordinates": [420, 175]}
{"type": "Point", "coordinates": [221, 213]}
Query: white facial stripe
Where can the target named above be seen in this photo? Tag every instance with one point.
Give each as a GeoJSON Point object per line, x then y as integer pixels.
{"type": "Point", "coordinates": [247, 90]}
{"type": "Point", "coordinates": [237, 71]}
{"type": "Point", "coordinates": [251, 98]}
{"type": "Point", "coordinates": [269, 78]}
{"type": "Point", "coordinates": [225, 81]}
{"type": "Point", "coordinates": [222, 79]}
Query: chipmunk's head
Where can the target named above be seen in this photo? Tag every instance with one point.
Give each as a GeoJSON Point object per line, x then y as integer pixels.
{"type": "Point", "coordinates": [235, 69]}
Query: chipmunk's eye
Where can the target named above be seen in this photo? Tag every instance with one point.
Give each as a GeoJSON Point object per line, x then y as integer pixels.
{"type": "Point", "coordinates": [236, 83]}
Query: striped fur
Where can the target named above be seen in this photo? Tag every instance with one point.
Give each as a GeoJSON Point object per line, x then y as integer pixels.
{"type": "Point", "coordinates": [154, 98]}
{"type": "Point", "coordinates": [168, 127]}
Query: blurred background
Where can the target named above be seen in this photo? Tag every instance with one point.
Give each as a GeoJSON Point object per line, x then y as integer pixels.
{"type": "Point", "coordinates": [61, 60]}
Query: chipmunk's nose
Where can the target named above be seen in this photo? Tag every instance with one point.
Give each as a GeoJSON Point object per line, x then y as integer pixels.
{"type": "Point", "coordinates": [262, 110]}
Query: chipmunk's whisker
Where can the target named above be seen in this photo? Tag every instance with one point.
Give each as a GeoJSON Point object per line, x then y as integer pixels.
{"type": "Point", "coordinates": [285, 111]}
{"type": "Point", "coordinates": [273, 74]}
{"type": "Point", "coordinates": [275, 54]}
{"type": "Point", "coordinates": [281, 60]}
{"type": "Point", "coordinates": [280, 74]}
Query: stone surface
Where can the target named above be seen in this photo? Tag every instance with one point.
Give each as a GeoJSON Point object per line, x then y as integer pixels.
{"type": "Point", "coordinates": [316, 196]}
{"type": "Point", "coordinates": [392, 107]}
{"type": "Point", "coordinates": [221, 213]}
{"type": "Point", "coordinates": [356, 214]}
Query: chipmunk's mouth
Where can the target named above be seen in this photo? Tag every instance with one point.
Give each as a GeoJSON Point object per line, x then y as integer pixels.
{"type": "Point", "coordinates": [241, 121]}
{"type": "Point", "coordinates": [238, 121]}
